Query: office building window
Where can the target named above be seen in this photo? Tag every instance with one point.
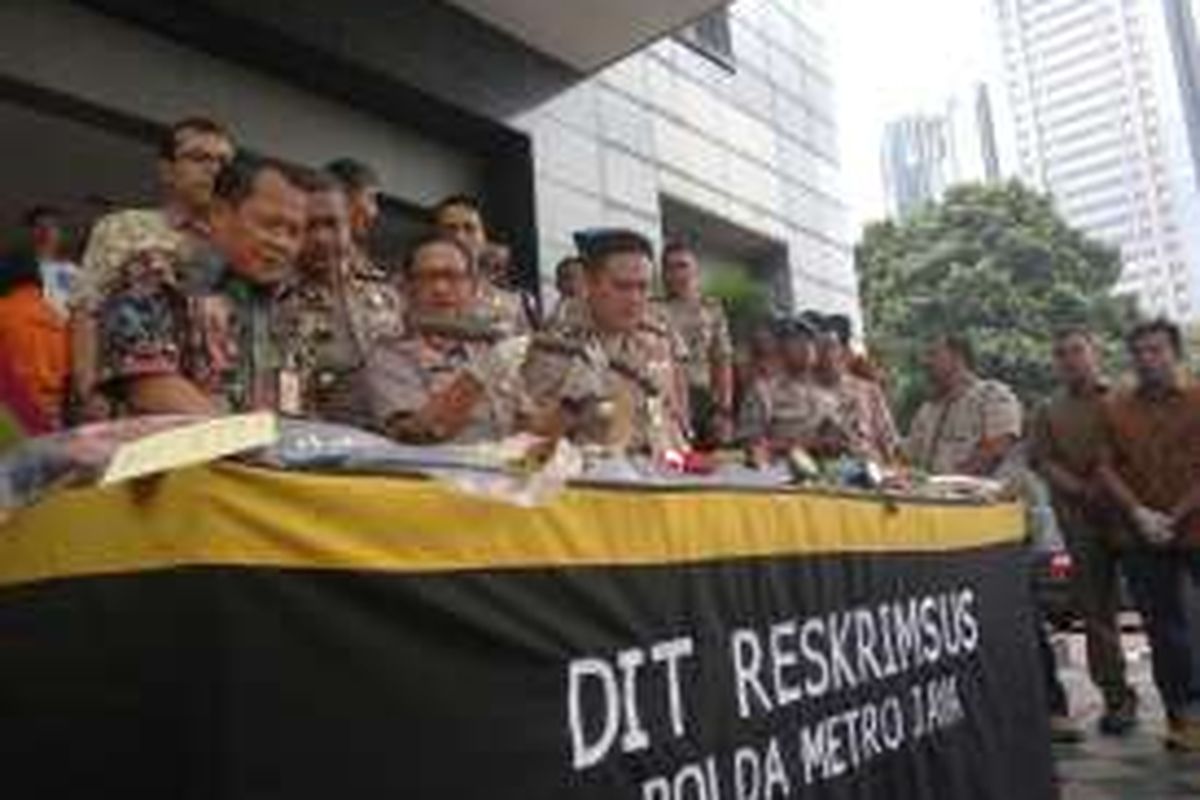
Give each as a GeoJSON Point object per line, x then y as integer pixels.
{"type": "Point", "coordinates": [711, 37]}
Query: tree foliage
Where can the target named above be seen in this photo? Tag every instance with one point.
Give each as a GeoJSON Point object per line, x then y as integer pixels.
{"type": "Point", "coordinates": [745, 299]}
{"type": "Point", "coordinates": [996, 263]}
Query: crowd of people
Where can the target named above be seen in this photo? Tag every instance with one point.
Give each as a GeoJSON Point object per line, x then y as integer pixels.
{"type": "Point", "coordinates": [252, 286]}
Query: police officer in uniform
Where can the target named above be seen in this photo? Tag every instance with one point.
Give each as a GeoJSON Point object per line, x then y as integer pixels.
{"type": "Point", "coordinates": [610, 381]}
{"type": "Point", "coordinates": [569, 281]}
{"type": "Point", "coordinates": [708, 350]}
{"type": "Point", "coordinates": [333, 312]}
{"type": "Point", "coordinates": [452, 378]}
{"type": "Point", "coordinates": [789, 409]}
{"type": "Point", "coordinates": [461, 217]}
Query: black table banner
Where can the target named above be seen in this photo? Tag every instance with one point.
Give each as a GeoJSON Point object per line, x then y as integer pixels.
{"type": "Point", "coordinates": [235, 633]}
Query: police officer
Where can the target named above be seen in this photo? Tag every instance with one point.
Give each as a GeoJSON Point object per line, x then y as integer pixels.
{"type": "Point", "coordinates": [871, 427]}
{"type": "Point", "coordinates": [461, 217]}
{"type": "Point", "coordinates": [452, 378]}
{"type": "Point", "coordinates": [333, 313]}
{"type": "Point", "coordinates": [708, 351]}
{"type": "Point", "coordinates": [969, 425]}
{"type": "Point", "coordinates": [569, 281]}
{"type": "Point", "coordinates": [361, 187]}
{"type": "Point", "coordinates": [610, 381]}
{"type": "Point", "coordinates": [789, 409]}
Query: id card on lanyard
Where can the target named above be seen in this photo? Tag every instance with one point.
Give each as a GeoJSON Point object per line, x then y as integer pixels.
{"type": "Point", "coordinates": [289, 392]}
{"type": "Point", "coordinates": [273, 382]}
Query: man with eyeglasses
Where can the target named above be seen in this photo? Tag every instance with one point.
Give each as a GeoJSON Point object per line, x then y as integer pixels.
{"type": "Point", "coordinates": [454, 378]}
{"type": "Point", "coordinates": [191, 153]}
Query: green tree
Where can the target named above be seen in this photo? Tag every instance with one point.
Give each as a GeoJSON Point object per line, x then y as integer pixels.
{"type": "Point", "coordinates": [996, 263]}
{"type": "Point", "coordinates": [746, 300]}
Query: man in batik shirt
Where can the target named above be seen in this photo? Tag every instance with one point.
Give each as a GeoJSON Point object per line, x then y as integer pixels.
{"type": "Point", "coordinates": [198, 336]}
{"type": "Point", "coordinates": [191, 154]}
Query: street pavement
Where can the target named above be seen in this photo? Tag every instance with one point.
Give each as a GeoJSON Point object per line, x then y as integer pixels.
{"type": "Point", "coordinates": [1135, 767]}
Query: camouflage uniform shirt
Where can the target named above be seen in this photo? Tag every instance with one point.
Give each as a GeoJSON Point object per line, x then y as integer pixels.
{"type": "Point", "coordinates": [705, 333]}
{"type": "Point", "coordinates": [868, 418]}
{"type": "Point", "coordinates": [502, 309]}
{"type": "Point", "coordinates": [329, 328]}
{"type": "Point", "coordinates": [787, 410]}
{"type": "Point", "coordinates": [620, 389]}
{"type": "Point", "coordinates": [404, 374]}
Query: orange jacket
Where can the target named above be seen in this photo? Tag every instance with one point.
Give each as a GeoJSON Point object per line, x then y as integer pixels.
{"type": "Point", "coordinates": [35, 343]}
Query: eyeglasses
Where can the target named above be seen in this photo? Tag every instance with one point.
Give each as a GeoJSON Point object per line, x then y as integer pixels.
{"type": "Point", "coordinates": [455, 277]}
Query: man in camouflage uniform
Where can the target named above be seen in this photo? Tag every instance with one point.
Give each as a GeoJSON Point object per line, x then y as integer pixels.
{"type": "Point", "coordinates": [190, 155]}
{"type": "Point", "coordinates": [970, 425]}
{"type": "Point", "coordinates": [865, 409]}
{"type": "Point", "coordinates": [611, 381]}
{"type": "Point", "coordinates": [331, 314]}
{"type": "Point", "coordinates": [571, 321]}
{"type": "Point", "coordinates": [788, 409]}
{"type": "Point", "coordinates": [460, 217]}
{"type": "Point", "coordinates": [569, 281]}
{"type": "Point", "coordinates": [197, 336]}
{"type": "Point", "coordinates": [708, 351]}
{"type": "Point", "coordinates": [361, 187]}
{"type": "Point", "coordinates": [452, 378]}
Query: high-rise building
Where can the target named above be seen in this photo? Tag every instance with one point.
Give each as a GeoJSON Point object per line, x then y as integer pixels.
{"type": "Point", "coordinates": [690, 117]}
{"type": "Point", "coordinates": [973, 121]}
{"type": "Point", "coordinates": [723, 134]}
{"type": "Point", "coordinates": [916, 161]}
{"type": "Point", "coordinates": [1104, 98]}
{"type": "Point", "coordinates": [924, 154]}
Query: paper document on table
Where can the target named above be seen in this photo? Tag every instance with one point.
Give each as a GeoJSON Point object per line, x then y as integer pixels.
{"type": "Point", "coordinates": [192, 444]}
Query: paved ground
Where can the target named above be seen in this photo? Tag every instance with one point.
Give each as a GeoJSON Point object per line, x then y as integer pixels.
{"type": "Point", "coordinates": [1136, 767]}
